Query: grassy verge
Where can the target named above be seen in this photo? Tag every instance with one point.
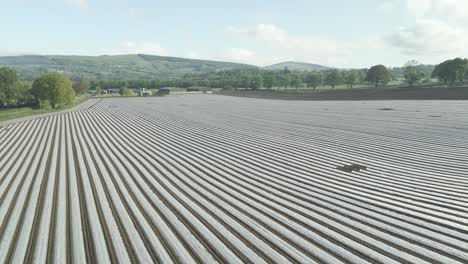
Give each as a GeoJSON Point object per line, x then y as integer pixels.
{"type": "Point", "coordinates": [13, 113]}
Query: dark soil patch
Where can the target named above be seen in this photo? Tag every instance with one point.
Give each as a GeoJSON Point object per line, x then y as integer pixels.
{"type": "Point", "coordinates": [415, 93]}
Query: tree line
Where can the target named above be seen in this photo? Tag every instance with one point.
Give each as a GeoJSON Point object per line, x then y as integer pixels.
{"type": "Point", "coordinates": [259, 78]}
{"type": "Point", "coordinates": [411, 73]}
{"type": "Point", "coordinates": [50, 90]}
{"type": "Point", "coordinates": [451, 71]}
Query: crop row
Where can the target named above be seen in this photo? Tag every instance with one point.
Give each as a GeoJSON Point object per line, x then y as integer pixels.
{"type": "Point", "coordinates": [205, 178]}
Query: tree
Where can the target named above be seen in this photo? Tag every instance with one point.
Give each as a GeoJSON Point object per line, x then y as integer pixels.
{"type": "Point", "coordinates": [333, 78]}
{"type": "Point", "coordinates": [22, 93]}
{"type": "Point", "coordinates": [98, 89]}
{"type": "Point", "coordinates": [378, 74]}
{"type": "Point", "coordinates": [283, 79]}
{"type": "Point", "coordinates": [123, 83]}
{"type": "Point", "coordinates": [255, 82]}
{"type": "Point", "coordinates": [243, 81]}
{"type": "Point", "coordinates": [124, 91]}
{"type": "Point", "coordinates": [451, 71]}
{"type": "Point", "coordinates": [313, 80]}
{"type": "Point", "coordinates": [81, 86]}
{"type": "Point", "coordinates": [268, 80]}
{"type": "Point", "coordinates": [351, 78]}
{"type": "Point", "coordinates": [411, 73]}
{"type": "Point", "coordinates": [295, 81]}
{"type": "Point", "coordinates": [8, 79]}
{"type": "Point", "coordinates": [55, 88]}
{"type": "Point", "coordinates": [361, 75]}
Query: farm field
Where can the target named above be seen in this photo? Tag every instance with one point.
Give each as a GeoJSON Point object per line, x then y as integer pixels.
{"type": "Point", "coordinates": [210, 178]}
{"type": "Point", "coordinates": [415, 93]}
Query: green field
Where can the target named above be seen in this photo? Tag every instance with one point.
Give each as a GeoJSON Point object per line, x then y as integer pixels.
{"type": "Point", "coordinates": [337, 87]}
{"type": "Point", "coordinates": [13, 113]}
{"type": "Point", "coordinates": [6, 114]}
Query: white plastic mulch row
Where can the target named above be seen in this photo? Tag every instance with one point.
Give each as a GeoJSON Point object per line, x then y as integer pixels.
{"type": "Point", "coordinates": [206, 179]}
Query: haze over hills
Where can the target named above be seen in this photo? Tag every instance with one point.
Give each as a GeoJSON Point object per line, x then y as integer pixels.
{"type": "Point", "coordinates": [297, 66]}
{"type": "Point", "coordinates": [137, 66]}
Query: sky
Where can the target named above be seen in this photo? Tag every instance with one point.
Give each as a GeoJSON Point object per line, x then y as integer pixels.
{"type": "Point", "coordinates": [345, 33]}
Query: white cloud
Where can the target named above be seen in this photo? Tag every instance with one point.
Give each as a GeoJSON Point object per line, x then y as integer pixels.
{"type": "Point", "coordinates": [434, 30]}
{"type": "Point", "coordinates": [7, 52]}
{"type": "Point", "coordinates": [132, 12]}
{"type": "Point", "coordinates": [418, 8]}
{"type": "Point", "coordinates": [239, 55]}
{"type": "Point", "coordinates": [150, 48]}
{"type": "Point", "coordinates": [268, 32]}
{"type": "Point", "coordinates": [429, 37]}
{"type": "Point", "coordinates": [387, 5]}
{"type": "Point", "coordinates": [438, 29]}
{"type": "Point", "coordinates": [446, 10]}
{"type": "Point", "coordinates": [193, 55]}
{"type": "Point", "coordinates": [81, 4]}
{"type": "Point", "coordinates": [277, 44]}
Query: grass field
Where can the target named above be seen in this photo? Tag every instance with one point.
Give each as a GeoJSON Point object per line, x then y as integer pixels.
{"type": "Point", "coordinates": [209, 178]}
{"type": "Point", "coordinates": [12, 113]}
{"type": "Point", "coordinates": [6, 114]}
{"type": "Point", "coordinates": [337, 87]}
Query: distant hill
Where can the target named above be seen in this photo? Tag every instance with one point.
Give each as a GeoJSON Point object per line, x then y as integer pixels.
{"type": "Point", "coordinates": [297, 66]}
{"type": "Point", "coordinates": [139, 66]}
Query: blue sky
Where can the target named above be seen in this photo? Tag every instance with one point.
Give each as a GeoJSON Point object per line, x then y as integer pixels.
{"type": "Point", "coordinates": [356, 33]}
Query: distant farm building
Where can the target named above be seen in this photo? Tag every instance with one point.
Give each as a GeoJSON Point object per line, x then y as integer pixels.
{"type": "Point", "coordinates": [164, 91]}
{"type": "Point", "coordinates": [113, 90]}
{"type": "Point", "coordinates": [144, 92]}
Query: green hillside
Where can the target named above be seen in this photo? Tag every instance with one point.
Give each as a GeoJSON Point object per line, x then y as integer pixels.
{"type": "Point", "coordinates": [297, 66]}
{"type": "Point", "coordinates": [137, 66]}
